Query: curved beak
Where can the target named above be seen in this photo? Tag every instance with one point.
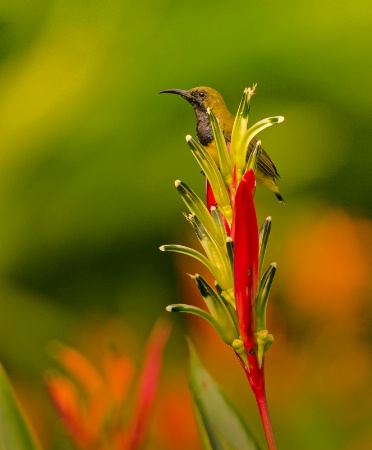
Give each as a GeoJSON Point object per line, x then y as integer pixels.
{"type": "Point", "coordinates": [181, 92]}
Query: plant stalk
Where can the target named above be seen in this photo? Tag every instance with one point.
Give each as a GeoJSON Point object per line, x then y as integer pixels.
{"type": "Point", "coordinates": [256, 379]}
{"type": "Point", "coordinates": [265, 418]}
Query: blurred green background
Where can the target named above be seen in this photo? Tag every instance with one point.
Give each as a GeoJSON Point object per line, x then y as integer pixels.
{"type": "Point", "coordinates": [88, 158]}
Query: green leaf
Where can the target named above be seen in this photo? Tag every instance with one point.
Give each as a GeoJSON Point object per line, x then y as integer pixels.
{"type": "Point", "coordinates": [15, 430]}
{"type": "Point", "coordinates": [218, 419]}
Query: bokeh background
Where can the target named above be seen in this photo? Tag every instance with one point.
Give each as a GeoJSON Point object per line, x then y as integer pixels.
{"type": "Point", "coordinates": [88, 158]}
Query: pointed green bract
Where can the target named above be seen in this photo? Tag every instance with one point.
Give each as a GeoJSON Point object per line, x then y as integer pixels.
{"type": "Point", "coordinates": [216, 255]}
{"type": "Point", "coordinates": [182, 307]}
{"type": "Point", "coordinates": [190, 252]}
{"type": "Point", "coordinates": [214, 176]}
{"type": "Point", "coordinates": [218, 309]}
{"type": "Point", "coordinates": [15, 430]}
{"type": "Point", "coordinates": [196, 206]}
{"type": "Point", "coordinates": [250, 134]}
{"type": "Point", "coordinates": [263, 296]}
{"type": "Point", "coordinates": [219, 420]}
{"type": "Point", "coordinates": [216, 216]}
{"type": "Point", "coordinates": [230, 249]}
{"type": "Point", "coordinates": [263, 237]}
{"type": "Point", "coordinates": [223, 154]}
{"type": "Point", "coordinates": [253, 157]}
{"type": "Point", "coordinates": [240, 125]}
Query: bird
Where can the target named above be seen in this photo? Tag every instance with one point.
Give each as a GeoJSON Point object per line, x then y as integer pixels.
{"type": "Point", "coordinates": [201, 98]}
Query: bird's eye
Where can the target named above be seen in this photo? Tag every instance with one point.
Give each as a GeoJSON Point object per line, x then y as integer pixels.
{"type": "Point", "coordinates": [202, 94]}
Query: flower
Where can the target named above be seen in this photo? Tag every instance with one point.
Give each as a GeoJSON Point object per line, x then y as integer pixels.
{"type": "Point", "coordinates": [245, 237]}
{"type": "Point", "coordinates": [234, 248]}
{"type": "Point", "coordinates": [92, 403]}
{"type": "Point", "coordinates": [226, 227]}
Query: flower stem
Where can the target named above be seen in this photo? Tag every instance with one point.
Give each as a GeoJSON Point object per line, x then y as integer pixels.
{"type": "Point", "coordinates": [265, 418]}
{"type": "Point", "coordinates": [256, 379]}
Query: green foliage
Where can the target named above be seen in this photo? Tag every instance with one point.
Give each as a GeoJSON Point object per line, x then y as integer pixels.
{"type": "Point", "coordinates": [88, 153]}
{"type": "Point", "coordinates": [220, 423]}
{"type": "Point", "coordinates": [15, 430]}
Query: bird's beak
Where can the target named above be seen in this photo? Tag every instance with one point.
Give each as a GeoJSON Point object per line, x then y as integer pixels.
{"type": "Point", "coordinates": [181, 92]}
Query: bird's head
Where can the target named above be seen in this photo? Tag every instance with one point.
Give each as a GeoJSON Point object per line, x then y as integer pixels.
{"type": "Point", "coordinates": [200, 98]}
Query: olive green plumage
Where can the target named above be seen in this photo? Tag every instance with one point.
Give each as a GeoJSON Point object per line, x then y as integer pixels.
{"type": "Point", "coordinates": [201, 98]}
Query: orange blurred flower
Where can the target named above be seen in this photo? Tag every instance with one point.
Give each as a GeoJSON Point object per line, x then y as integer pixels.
{"type": "Point", "coordinates": [328, 267]}
{"type": "Point", "coordinates": [92, 403]}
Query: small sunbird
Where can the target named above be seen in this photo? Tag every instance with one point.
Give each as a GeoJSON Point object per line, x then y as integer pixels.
{"type": "Point", "coordinates": [201, 98]}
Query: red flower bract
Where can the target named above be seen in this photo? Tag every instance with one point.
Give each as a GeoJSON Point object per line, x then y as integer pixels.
{"type": "Point", "coordinates": [211, 201]}
{"type": "Point", "coordinates": [245, 236]}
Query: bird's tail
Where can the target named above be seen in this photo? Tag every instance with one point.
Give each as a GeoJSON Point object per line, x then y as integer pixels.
{"type": "Point", "coordinates": [279, 197]}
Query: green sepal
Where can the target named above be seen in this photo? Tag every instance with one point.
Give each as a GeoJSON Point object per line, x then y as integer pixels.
{"type": "Point", "coordinates": [230, 249]}
{"type": "Point", "coordinates": [214, 176]}
{"type": "Point", "coordinates": [223, 154]}
{"type": "Point", "coordinates": [264, 341]}
{"type": "Point", "coordinates": [269, 342]}
{"type": "Point", "coordinates": [217, 218]}
{"type": "Point", "coordinates": [218, 288]}
{"type": "Point", "coordinates": [218, 309]}
{"type": "Point", "coordinates": [262, 297]}
{"type": "Point", "coordinates": [238, 346]}
{"type": "Point", "coordinates": [221, 425]}
{"type": "Point", "coordinates": [229, 296]}
{"type": "Point", "coordinates": [260, 338]}
{"type": "Point", "coordinates": [182, 307]}
{"type": "Point", "coordinates": [216, 255]}
{"type": "Point", "coordinates": [230, 301]}
{"type": "Point", "coordinates": [263, 237]}
{"type": "Point", "coordinates": [190, 252]}
{"type": "Point", "coordinates": [196, 206]}
{"type": "Point", "coordinates": [191, 309]}
{"type": "Point", "coordinates": [232, 309]}
{"type": "Point", "coordinates": [237, 152]}
{"type": "Point", "coordinates": [15, 430]}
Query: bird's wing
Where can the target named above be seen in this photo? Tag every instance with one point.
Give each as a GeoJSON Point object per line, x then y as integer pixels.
{"type": "Point", "coordinates": [264, 161]}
